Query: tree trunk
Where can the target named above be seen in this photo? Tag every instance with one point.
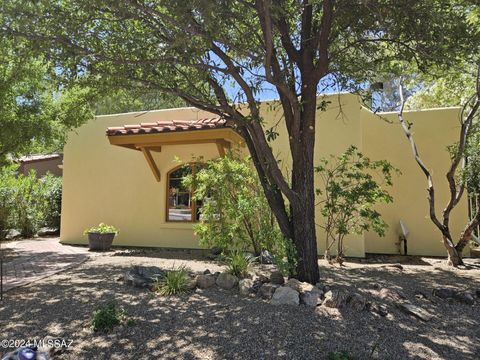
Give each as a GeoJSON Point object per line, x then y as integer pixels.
{"type": "Point", "coordinates": [454, 257]}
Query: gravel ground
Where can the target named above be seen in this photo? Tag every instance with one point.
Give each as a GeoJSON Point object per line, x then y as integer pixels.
{"type": "Point", "coordinates": [216, 324]}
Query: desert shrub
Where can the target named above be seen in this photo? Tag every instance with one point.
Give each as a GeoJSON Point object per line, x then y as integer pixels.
{"type": "Point", "coordinates": [175, 282]}
{"type": "Point", "coordinates": [285, 257]}
{"type": "Point", "coordinates": [350, 192]}
{"type": "Point", "coordinates": [53, 193]}
{"type": "Point", "coordinates": [7, 179]}
{"type": "Point", "coordinates": [107, 316]}
{"type": "Point", "coordinates": [339, 355]}
{"type": "Point", "coordinates": [238, 263]}
{"type": "Point", "coordinates": [235, 215]}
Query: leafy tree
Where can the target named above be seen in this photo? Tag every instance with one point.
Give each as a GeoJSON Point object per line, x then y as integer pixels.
{"type": "Point", "coordinates": [350, 193]}
{"type": "Point", "coordinates": [216, 54]}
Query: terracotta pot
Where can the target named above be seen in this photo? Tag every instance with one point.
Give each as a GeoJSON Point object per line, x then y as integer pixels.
{"type": "Point", "coordinates": [100, 241]}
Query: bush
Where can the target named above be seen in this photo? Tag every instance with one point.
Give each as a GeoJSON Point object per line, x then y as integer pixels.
{"type": "Point", "coordinates": [102, 228]}
{"type": "Point", "coordinates": [175, 282]}
{"type": "Point", "coordinates": [238, 264]}
{"type": "Point", "coordinates": [339, 355]}
{"type": "Point", "coordinates": [107, 316]}
{"type": "Point", "coordinates": [28, 203]}
{"type": "Point", "coordinates": [235, 213]}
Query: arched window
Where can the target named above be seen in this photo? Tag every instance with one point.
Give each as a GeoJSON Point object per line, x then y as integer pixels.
{"type": "Point", "coordinates": [180, 204]}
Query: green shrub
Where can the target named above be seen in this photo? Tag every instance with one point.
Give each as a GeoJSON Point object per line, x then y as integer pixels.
{"type": "Point", "coordinates": [107, 316]}
{"type": "Point", "coordinates": [238, 263]}
{"type": "Point", "coordinates": [339, 355]}
{"type": "Point", "coordinates": [285, 257]}
{"type": "Point", "coordinates": [7, 179]}
{"type": "Point", "coordinates": [175, 282]}
{"type": "Point", "coordinates": [102, 228]}
{"type": "Point", "coordinates": [53, 193]}
{"type": "Point", "coordinates": [235, 213]}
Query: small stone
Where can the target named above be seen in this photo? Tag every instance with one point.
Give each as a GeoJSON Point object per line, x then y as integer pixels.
{"type": "Point", "coordinates": [277, 278]}
{"type": "Point", "coordinates": [393, 266]}
{"type": "Point", "coordinates": [206, 272]}
{"type": "Point", "coordinates": [285, 296]}
{"type": "Point", "coordinates": [312, 298]}
{"type": "Point", "coordinates": [444, 293]}
{"type": "Point", "coordinates": [465, 298]}
{"type": "Point", "coordinates": [357, 302]}
{"type": "Point", "coordinates": [245, 286]}
{"type": "Point", "coordinates": [266, 257]}
{"type": "Point", "coordinates": [267, 290]}
{"type": "Point", "coordinates": [205, 281]}
{"type": "Point", "coordinates": [257, 284]}
{"type": "Point", "coordinates": [376, 286]}
{"type": "Point", "coordinates": [416, 311]}
{"type": "Point", "coordinates": [334, 299]}
{"type": "Point", "coordinates": [227, 281]}
{"type": "Point", "coordinates": [120, 278]}
{"type": "Point", "coordinates": [391, 295]}
{"type": "Point", "coordinates": [377, 309]}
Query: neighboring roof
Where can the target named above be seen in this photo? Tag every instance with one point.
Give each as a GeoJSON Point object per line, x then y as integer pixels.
{"type": "Point", "coordinates": [34, 158]}
{"type": "Point", "coordinates": [168, 126]}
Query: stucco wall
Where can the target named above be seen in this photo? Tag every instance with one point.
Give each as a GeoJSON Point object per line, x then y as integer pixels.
{"type": "Point", "coordinates": [105, 183]}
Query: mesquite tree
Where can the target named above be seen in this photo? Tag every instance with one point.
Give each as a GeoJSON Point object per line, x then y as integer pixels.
{"type": "Point", "coordinates": [457, 182]}
{"type": "Point", "coordinates": [216, 54]}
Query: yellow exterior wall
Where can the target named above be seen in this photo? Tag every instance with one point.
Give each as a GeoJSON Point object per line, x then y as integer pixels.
{"type": "Point", "coordinates": [105, 183]}
{"type": "Point", "coordinates": [383, 138]}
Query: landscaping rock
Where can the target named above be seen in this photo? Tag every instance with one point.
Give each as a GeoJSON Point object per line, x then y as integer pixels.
{"type": "Point", "coordinates": [299, 286]}
{"type": "Point", "coordinates": [245, 286]}
{"type": "Point", "coordinates": [393, 266]}
{"type": "Point", "coordinates": [377, 309]}
{"type": "Point", "coordinates": [334, 299]}
{"type": "Point", "coordinates": [444, 293]}
{"type": "Point", "coordinates": [285, 296]}
{"type": "Point", "coordinates": [46, 231]}
{"type": "Point", "coordinates": [357, 302]}
{"type": "Point", "coordinates": [227, 281]}
{"type": "Point", "coordinates": [465, 298]}
{"type": "Point", "coordinates": [391, 295]}
{"type": "Point", "coordinates": [192, 284]}
{"type": "Point", "coordinates": [142, 276]}
{"type": "Point", "coordinates": [257, 284]}
{"type": "Point", "coordinates": [264, 279]}
{"type": "Point", "coordinates": [277, 278]}
{"type": "Point", "coordinates": [13, 234]}
{"type": "Point", "coordinates": [206, 272]}
{"type": "Point", "coordinates": [416, 311]}
{"type": "Point", "coordinates": [312, 298]}
{"type": "Point", "coordinates": [267, 290]}
{"type": "Point", "coordinates": [266, 257]}
{"type": "Point", "coordinates": [205, 281]}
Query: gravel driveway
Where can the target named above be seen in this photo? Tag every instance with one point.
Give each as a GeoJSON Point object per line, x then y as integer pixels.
{"type": "Point", "coordinates": [216, 324]}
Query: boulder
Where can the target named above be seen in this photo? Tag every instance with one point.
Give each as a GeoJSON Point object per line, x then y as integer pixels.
{"type": "Point", "coordinates": [312, 298]}
{"type": "Point", "coordinates": [267, 290]}
{"type": "Point", "coordinates": [444, 293]}
{"type": "Point", "coordinates": [465, 298]}
{"type": "Point", "coordinates": [12, 234]}
{"type": "Point", "coordinates": [245, 286]}
{"type": "Point", "coordinates": [334, 299]}
{"type": "Point", "coordinates": [357, 302]}
{"type": "Point", "coordinates": [299, 286]}
{"type": "Point", "coordinates": [416, 311]}
{"type": "Point", "coordinates": [277, 278]}
{"type": "Point", "coordinates": [46, 231]}
{"type": "Point", "coordinates": [192, 284]}
{"type": "Point", "coordinates": [142, 276]}
{"type": "Point", "coordinates": [205, 281]}
{"type": "Point", "coordinates": [266, 257]}
{"type": "Point", "coordinates": [391, 295]}
{"type": "Point", "coordinates": [227, 281]}
{"type": "Point", "coordinates": [285, 296]}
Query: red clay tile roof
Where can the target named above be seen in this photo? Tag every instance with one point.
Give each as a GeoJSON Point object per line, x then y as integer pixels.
{"type": "Point", "coordinates": [167, 126]}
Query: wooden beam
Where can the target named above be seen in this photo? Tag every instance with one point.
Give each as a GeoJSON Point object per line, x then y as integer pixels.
{"type": "Point", "coordinates": [151, 163]}
{"type": "Point", "coordinates": [152, 147]}
{"type": "Point", "coordinates": [222, 146]}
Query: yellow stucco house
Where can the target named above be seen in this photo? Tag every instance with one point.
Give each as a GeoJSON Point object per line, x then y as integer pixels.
{"type": "Point", "coordinates": [124, 175]}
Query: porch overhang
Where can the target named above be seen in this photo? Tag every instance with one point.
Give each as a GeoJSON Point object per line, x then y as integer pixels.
{"type": "Point", "coordinates": [150, 137]}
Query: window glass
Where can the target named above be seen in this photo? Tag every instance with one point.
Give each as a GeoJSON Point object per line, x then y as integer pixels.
{"type": "Point", "coordinates": [180, 203]}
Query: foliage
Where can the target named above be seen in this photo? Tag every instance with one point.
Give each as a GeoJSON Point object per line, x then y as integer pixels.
{"type": "Point", "coordinates": [174, 282]}
{"type": "Point", "coordinates": [238, 263]}
{"type": "Point", "coordinates": [102, 228]}
{"type": "Point", "coordinates": [235, 214]}
{"type": "Point", "coordinates": [107, 316]}
{"type": "Point", "coordinates": [350, 193]}
{"type": "Point", "coordinates": [53, 193]}
{"type": "Point", "coordinates": [340, 355]}
{"type": "Point", "coordinates": [285, 257]}
{"type": "Point", "coordinates": [7, 187]}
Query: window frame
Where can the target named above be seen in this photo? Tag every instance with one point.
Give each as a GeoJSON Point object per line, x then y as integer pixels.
{"type": "Point", "coordinates": [193, 166]}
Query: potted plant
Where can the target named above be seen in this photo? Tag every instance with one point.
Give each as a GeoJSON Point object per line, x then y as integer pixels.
{"type": "Point", "coordinates": [101, 237]}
